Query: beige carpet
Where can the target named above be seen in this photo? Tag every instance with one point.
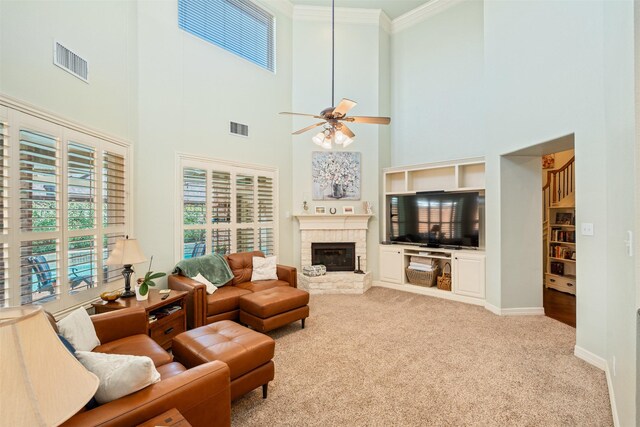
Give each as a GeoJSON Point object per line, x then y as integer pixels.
{"type": "Point", "coordinates": [394, 358]}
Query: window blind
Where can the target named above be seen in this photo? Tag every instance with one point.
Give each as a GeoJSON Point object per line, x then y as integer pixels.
{"type": "Point", "coordinates": [239, 26]}
{"type": "Point", "coordinates": [4, 224]}
{"type": "Point", "coordinates": [113, 193]}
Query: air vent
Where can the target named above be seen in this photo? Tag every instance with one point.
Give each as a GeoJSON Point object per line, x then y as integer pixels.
{"type": "Point", "coordinates": [238, 129]}
{"type": "Point", "coordinates": [70, 62]}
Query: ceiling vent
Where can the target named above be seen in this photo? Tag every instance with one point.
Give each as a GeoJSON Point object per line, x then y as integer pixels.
{"type": "Point", "coordinates": [70, 62]}
{"type": "Point", "coordinates": [238, 129]}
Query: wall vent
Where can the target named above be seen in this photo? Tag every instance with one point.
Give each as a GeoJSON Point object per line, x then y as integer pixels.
{"type": "Point", "coordinates": [71, 62]}
{"type": "Point", "coordinates": [238, 129]}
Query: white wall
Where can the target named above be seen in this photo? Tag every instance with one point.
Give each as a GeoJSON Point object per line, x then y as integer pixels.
{"type": "Point", "coordinates": [103, 32]}
{"type": "Point", "coordinates": [189, 90]}
{"type": "Point", "coordinates": [542, 74]}
{"type": "Point", "coordinates": [361, 74]}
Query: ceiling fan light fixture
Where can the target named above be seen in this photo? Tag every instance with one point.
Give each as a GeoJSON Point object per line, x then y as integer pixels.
{"type": "Point", "coordinates": [326, 144]}
{"type": "Point", "coordinates": [347, 142]}
{"type": "Point", "coordinates": [318, 139]}
{"type": "Point", "coordinates": [340, 137]}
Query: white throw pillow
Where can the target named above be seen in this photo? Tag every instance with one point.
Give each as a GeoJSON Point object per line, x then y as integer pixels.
{"type": "Point", "coordinates": [264, 268]}
{"type": "Point", "coordinates": [119, 374]}
{"type": "Point", "coordinates": [211, 288]}
{"type": "Point", "coordinates": [78, 329]}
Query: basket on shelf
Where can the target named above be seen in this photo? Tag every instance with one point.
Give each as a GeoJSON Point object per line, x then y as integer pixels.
{"type": "Point", "coordinates": [422, 278]}
{"type": "Point", "coordinates": [444, 281]}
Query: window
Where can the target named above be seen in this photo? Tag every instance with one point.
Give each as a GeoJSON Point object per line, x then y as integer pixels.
{"type": "Point", "coordinates": [226, 208]}
{"type": "Point", "coordinates": [239, 26]}
{"type": "Point", "coordinates": [58, 181]}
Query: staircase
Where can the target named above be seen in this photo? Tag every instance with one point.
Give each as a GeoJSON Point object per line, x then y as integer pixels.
{"type": "Point", "coordinates": [558, 191]}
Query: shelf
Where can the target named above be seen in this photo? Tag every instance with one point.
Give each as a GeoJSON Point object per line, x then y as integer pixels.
{"type": "Point", "coordinates": [566, 276]}
{"type": "Point", "coordinates": [562, 243]}
{"type": "Point", "coordinates": [570, 227]}
{"type": "Point", "coordinates": [562, 259]}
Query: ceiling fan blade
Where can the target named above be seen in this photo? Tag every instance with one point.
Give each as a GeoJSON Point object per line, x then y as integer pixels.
{"type": "Point", "coordinates": [345, 130]}
{"type": "Point", "coordinates": [343, 107]}
{"type": "Point", "coordinates": [298, 132]}
{"type": "Point", "coordinates": [301, 114]}
{"type": "Point", "coordinates": [366, 119]}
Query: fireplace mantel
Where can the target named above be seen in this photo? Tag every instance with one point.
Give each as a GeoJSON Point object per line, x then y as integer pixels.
{"type": "Point", "coordinates": [334, 222]}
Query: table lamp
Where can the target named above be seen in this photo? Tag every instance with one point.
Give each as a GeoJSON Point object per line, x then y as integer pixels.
{"type": "Point", "coordinates": [41, 382]}
{"type": "Point", "coordinates": [126, 253]}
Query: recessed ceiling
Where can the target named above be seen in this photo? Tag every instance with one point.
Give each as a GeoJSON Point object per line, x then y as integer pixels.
{"type": "Point", "coordinates": [393, 8]}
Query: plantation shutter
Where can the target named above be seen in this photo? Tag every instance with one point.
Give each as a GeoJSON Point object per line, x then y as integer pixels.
{"type": "Point", "coordinates": [4, 213]}
{"type": "Point", "coordinates": [242, 213]}
{"type": "Point", "coordinates": [113, 189]}
{"type": "Point", "coordinates": [82, 249]}
{"type": "Point", "coordinates": [39, 216]}
{"type": "Point", "coordinates": [265, 215]}
{"type": "Point", "coordinates": [194, 211]}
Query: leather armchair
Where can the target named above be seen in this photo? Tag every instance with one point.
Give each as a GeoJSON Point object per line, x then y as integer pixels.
{"type": "Point", "coordinates": [203, 309]}
{"type": "Point", "coordinates": [201, 394]}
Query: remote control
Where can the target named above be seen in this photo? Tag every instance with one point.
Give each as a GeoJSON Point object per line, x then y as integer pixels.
{"type": "Point", "coordinates": [165, 296]}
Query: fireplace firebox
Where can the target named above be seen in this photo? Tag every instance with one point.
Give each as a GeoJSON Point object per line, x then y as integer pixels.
{"type": "Point", "coordinates": [337, 256]}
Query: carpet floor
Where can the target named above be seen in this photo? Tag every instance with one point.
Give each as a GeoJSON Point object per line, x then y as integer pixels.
{"type": "Point", "coordinates": [395, 358]}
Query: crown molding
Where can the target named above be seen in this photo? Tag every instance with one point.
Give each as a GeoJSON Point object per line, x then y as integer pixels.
{"type": "Point", "coordinates": [421, 13]}
{"type": "Point", "coordinates": [342, 15]}
{"type": "Point", "coordinates": [283, 6]}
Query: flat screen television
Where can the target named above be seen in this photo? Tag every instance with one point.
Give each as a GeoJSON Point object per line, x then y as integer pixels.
{"type": "Point", "coordinates": [435, 219]}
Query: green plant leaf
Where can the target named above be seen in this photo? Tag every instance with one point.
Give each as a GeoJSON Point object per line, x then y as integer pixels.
{"type": "Point", "coordinates": [144, 288]}
{"type": "Point", "coordinates": [157, 275]}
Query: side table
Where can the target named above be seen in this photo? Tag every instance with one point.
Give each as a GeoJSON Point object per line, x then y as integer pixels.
{"type": "Point", "coordinates": [165, 318]}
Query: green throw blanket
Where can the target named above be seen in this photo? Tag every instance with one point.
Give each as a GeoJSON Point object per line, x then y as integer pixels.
{"type": "Point", "coordinates": [213, 267]}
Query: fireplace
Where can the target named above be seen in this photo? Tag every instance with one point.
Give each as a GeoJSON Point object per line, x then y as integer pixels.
{"type": "Point", "coordinates": [336, 256]}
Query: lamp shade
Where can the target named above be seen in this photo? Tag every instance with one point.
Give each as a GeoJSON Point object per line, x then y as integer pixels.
{"type": "Point", "coordinates": [41, 382]}
{"type": "Point", "coordinates": [125, 252]}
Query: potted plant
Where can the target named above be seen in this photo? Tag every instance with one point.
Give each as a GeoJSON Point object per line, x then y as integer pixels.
{"type": "Point", "coordinates": [142, 288]}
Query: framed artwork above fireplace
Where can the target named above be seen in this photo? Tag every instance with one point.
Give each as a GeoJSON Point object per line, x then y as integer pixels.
{"type": "Point", "coordinates": [336, 175]}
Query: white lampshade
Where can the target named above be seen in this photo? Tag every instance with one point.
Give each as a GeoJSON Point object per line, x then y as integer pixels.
{"type": "Point", "coordinates": [326, 144]}
{"type": "Point", "coordinates": [347, 141]}
{"type": "Point", "coordinates": [318, 138]}
{"type": "Point", "coordinates": [340, 137]}
{"type": "Point", "coordinates": [125, 252]}
{"type": "Point", "coordinates": [41, 382]}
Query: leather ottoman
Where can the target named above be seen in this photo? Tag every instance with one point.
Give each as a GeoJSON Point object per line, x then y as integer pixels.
{"type": "Point", "coordinates": [247, 353]}
{"type": "Point", "coordinates": [273, 308]}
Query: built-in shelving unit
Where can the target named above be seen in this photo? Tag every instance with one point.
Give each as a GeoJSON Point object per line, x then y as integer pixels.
{"type": "Point", "coordinates": [561, 250]}
{"type": "Point", "coordinates": [459, 175]}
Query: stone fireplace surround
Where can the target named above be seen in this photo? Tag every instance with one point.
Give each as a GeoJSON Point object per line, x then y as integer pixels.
{"type": "Point", "coordinates": [334, 228]}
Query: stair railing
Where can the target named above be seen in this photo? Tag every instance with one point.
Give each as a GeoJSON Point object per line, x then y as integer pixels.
{"type": "Point", "coordinates": [560, 184]}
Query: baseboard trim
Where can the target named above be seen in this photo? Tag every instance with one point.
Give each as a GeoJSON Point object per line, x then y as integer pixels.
{"type": "Point", "coordinates": [519, 311]}
{"type": "Point", "coordinates": [600, 363]}
{"type": "Point", "coordinates": [590, 358]}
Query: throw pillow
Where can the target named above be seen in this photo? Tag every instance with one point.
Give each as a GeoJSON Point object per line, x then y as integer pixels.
{"type": "Point", "coordinates": [78, 329]}
{"type": "Point", "coordinates": [264, 268]}
{"type": "Point", "coordinates": [119, 374]}
{"type": "Point", "coordinates": [211, 288]}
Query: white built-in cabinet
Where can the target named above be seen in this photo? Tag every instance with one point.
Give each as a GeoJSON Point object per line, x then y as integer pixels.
{"type": "Point", "coordinates": [390, 264]}
{"type": "Point", "coordinates": [467, 271]}
{"type": "Point", "coordinates": [468, 274]}
{"type": "Point", "coordinates": [467, 266]}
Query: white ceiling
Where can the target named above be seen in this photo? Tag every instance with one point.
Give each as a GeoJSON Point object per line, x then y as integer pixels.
{"type": "Point", "coordinates": [393, 8]}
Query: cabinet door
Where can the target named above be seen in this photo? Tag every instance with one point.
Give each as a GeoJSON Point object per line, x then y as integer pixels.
{"type": "Point", "coordinates": [390, 264]}
{"type": "Point", "coordinates": [468, 275]}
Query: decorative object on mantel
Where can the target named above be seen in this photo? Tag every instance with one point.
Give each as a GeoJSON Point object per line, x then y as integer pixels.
{"type": "Point", "coordinates": [314, 270]}
{"type": "Point", "coordinates": [368, 207]}
{"type": "Point", "coordinates": [321, 210]}
{"type": "Point", "coordinates": [348, 210]}
{"type": "Point", "coordinates": [332, 211]}
{"type": "Point", "coordinates": [334, 130]}
{"type": "Point", "coordinates": [126, 252]}
{"type": "Point", "coordinates": [358, 270]}
{"type": "Point", "coordinates": [336, 175]}
{"type": "Point", "coordinates": [305, 207]}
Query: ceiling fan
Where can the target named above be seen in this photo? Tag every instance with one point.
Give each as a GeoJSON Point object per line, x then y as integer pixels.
{"type": "Point", "coordinates": [335, 118]}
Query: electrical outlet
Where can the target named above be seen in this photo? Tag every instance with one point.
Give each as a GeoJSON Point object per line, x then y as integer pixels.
{"type": "Point", "coordinates": [614, 366]}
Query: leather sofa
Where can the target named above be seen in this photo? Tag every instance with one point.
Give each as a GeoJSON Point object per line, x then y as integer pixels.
{"type": "Point", "coordinates": [201, 394]}
{"type": "Point", "coordinates": [203, 309]}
